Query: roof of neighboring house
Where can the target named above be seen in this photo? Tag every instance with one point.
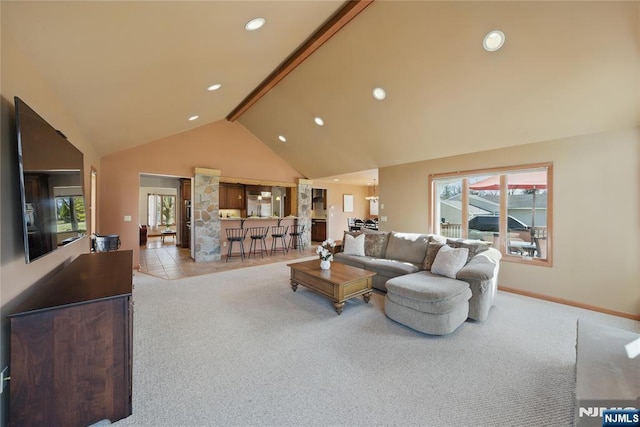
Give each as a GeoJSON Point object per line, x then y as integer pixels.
{"type": "Point", "coordinates": [517, 201]}
{"type": "Point", "coordinates": [483, 204]}
{"type": "Point", "coordinates": [457, 204]}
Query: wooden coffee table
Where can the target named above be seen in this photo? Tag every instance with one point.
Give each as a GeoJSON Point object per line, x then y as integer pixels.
{"type": "Point", "coordinates": [339, 283]}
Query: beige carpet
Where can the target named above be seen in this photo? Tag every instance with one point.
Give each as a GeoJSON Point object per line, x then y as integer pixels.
{"type": "Point", "coordinates": [241, 348]}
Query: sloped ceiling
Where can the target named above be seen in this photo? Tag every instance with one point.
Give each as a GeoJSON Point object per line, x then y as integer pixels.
{"type": "Point", "coordinates": [567, 68]}
{"type": "Point", "coordinates": [133, 72]}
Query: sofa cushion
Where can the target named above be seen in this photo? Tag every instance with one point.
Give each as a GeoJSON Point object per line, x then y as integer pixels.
{"type": "Point", "coordinates": [449, 261]}
{"type": "Point", "coordinates": [375, 242]}
{"type": "Point", "coordinates": [353, 245]}
{"type": "Point", "coordinates": [389, 267]}
{"type": "Point", "coordinates": [428, 323]}
{"type": "Point", "coordinates": [427, 292]}
{"type": "Point", "coordinates": [432, 251]}
{"type": "Point", "coordinates": [410, 247]}
{"type": "Point", "coordinates": [352, 260]}
{"type": "Point", "coordinates": [435, 238]}
{"type": "Point", "coordinates": [350, 233]}
{"type": "Point", "coordinates": [481, 267]}
{"type": "Point", "coordinates": [474, 246]}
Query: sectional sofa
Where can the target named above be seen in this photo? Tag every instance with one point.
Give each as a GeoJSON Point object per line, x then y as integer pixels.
{"type": "Point", "coordinates": [425, 289]}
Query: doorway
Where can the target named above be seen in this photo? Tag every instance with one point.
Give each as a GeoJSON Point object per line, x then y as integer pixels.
{"type": "Point", "coordinates": [162, 211]}
{"type": "Point", "coordinates": [93, 201]}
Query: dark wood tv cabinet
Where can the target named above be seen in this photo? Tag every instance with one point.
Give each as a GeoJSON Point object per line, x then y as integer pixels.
{"type": "Point", "coordinates": [71, 345]}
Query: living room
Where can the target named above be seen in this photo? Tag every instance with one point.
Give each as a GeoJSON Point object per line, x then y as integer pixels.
{"type": "Point", "coordinates": [561, 92]}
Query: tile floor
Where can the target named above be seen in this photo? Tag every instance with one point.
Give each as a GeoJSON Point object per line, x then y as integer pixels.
{"type": "Point", "coordinates": [168, 261]}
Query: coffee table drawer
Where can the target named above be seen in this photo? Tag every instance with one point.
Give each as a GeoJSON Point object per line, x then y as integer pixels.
{"type": "Point", "coordinates": [356, 287]}
{"type": "Point", "coordinates": [312, 282]}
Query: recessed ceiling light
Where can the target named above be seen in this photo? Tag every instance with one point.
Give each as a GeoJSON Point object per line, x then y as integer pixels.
{"type": "Point", "coordinates": [319, 121]}
{"type": "Point", "coordinates": [282, 138]}
{"type": "Point", "coordinates": [336, 179]}
{"type": "Point", "coordinates": [254, 24]}
{"type": "Point", "coordinates": [192, 118]}
{"type": "Point", "coordinates": [379, 93]}
{"type": "Point", "coordinates": [214, 86]}
{"type": "Point", "coordinates": [493, 41]}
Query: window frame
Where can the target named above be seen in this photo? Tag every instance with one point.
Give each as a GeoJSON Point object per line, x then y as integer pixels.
{"type": "Point", "coordinates": [158, 204]}
{"type": "Point", "coordinates": [503, 172]}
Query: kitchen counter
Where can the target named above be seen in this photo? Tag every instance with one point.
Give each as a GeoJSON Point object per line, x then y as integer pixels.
{"type": "Point", "coordinates": [237, 218]}
{"type": "Point", "coordinates": [276, 219]}
{"type": "Point", "coordinates": [235, 222]}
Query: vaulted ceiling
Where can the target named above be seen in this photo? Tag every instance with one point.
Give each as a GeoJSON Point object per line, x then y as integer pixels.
{"type": "Point", "coordinates": [133, 72]}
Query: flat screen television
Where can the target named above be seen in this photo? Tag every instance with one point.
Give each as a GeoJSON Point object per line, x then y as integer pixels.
{"type": "Point", "coordinates": [51, 184]}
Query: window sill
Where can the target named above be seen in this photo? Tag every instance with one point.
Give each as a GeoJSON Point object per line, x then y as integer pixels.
{"type": "Point", "coordinates": [523, 259]}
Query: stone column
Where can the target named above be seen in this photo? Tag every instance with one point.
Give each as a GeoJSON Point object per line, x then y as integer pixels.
{"type": "Point", "coordinates": [206, 221]}
{"type": "Point", "coordinates": [304, 208]}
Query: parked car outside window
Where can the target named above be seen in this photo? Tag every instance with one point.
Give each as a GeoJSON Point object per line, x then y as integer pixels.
{"type": "Point", "coordinates": [492, 223]}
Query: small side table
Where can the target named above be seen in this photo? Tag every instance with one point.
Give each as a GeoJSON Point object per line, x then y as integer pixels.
{"type": "Point", "coordinates": [165, 233]}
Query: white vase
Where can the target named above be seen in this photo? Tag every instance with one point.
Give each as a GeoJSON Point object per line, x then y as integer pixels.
{"type": "Point", "coordinates": [325, 264]}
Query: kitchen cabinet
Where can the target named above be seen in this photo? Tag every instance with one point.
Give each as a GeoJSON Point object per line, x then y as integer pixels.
{"type": "Point", "coordinates": [232, 196]}
{"type": "Point", "coordinates": [319, 198]}
{"type": "Point", "coordinates": [71, 345]}
{"type": "Point", "coordinates": [318, 230]}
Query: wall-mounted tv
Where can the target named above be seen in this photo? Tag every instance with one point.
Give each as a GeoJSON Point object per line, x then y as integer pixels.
{"type": "Point", "coordinates": [51, 184]}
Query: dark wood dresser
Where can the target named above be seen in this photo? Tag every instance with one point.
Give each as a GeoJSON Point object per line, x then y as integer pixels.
{"type": "Point", "coordinates": [71, 345]}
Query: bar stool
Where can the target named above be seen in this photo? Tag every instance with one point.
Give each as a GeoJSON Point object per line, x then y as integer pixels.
{"type": "Point", "coordinates": [295, 237]}
{"type": "Point", "coordinates": [279, 232]}
{"type": "Point", "coordinates": [235, 235]}
{"type": "Point", "coordinates": [258, 234]}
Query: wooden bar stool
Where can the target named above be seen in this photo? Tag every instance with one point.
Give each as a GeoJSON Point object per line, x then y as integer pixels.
{"type": "Point", "coordinates": [258, 234]}
{"type": "Point", "coordinates": [279, 233]}
{"type": "Point", "coordinates": [295, 237]}
{"type": "Point", "coordinates": [235, 235]}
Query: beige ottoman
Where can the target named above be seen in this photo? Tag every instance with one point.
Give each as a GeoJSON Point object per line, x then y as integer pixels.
{"type": "Point", "coordinates": [427, 302]}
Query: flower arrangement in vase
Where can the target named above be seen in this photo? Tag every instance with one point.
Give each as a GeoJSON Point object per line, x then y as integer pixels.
{"type": "Point", "coordinates": [325, 252]}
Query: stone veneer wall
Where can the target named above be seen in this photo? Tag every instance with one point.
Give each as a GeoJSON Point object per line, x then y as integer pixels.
{"type": "Point", "coordinates": [206, 221]}
{"type": "Point", "coordinates": [304, 209]}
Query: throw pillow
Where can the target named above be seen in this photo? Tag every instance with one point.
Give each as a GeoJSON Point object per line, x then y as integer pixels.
{"type": "Point", "coordinates": [354, 245]}
{"type": "Point", "coordinates": [437, 238]}
{"type": "Point", "coordinates": [432, 251]}
{"type": "Point", "coordinates": [449, 261]}
{"type": "Point", "coordinates": [349, 233]}
{"type": "Point", "coordinates": [474, 246]}
{"type": "Point", "coordinates": [375, 243]}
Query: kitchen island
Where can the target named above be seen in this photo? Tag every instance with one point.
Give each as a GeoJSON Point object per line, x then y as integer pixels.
{"type": "Point", "coordinates": [237, 222]}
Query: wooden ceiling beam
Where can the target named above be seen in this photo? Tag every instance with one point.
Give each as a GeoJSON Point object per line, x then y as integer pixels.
{"type": "Point", "coordinates": [341, 18]}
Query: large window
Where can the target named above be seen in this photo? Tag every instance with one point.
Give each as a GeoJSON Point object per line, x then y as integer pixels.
{"type": "Point", "coordinates": [510, 207]}
{"type": "Point", "coordinates": [162, 210]}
